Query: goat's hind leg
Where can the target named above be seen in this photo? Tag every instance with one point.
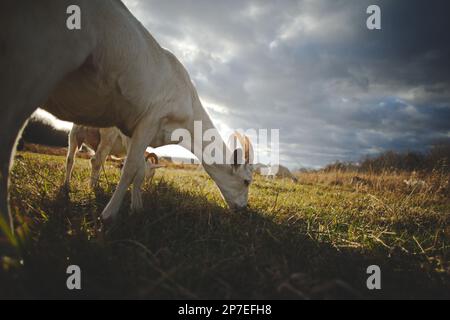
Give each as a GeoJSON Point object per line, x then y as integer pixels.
{"type": "Point", "coordinates": [11, 122]}
{"type": "Point", "coordinates": [136, 194]}
{"type": "Point", "coordinates": [30, 72]}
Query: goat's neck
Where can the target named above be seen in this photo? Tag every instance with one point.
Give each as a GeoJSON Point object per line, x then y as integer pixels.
{"type": "Point", "coordinates": [217, 171]}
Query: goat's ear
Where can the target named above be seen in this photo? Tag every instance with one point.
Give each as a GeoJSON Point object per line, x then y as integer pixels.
{"type": "Point", "coordinates": [249, 153]}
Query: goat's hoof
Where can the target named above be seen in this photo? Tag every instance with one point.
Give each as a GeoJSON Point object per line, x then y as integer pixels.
{"type": "Point", "coordinates": [137, 209]}
{"type": "Point", "coordinates": [137, 206]}
{"type": "Point", "coordinates": [107, 226]}
{"type": "Point", "coordinates": [108, 216]}
{"type": "Point", "coordinates": [65, 188]}
{"type": "Point", "coordinates": [94, 184]}
{"type": "Point", "coordinates": [106, 223]}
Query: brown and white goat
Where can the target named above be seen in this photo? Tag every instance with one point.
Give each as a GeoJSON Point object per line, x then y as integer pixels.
{"type": "Point", "coordinates": [104, 142]}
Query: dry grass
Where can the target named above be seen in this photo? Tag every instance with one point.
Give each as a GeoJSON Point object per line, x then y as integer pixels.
{"type": "Point", "coordinates": [435, 184]}
{"type": "Point", "coordinates": [314, 239]}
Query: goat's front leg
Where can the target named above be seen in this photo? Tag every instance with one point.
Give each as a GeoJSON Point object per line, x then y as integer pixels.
{"type": "Point", "coordinates": [139, 142]}
{"type": "Point", "coordinates": [96, 164]}
{"type": "Point", "coordinates": [72, 150]}
{"type": "Point", "coordinates": [136, 196]}
{"type": "Point", "coordinates": [107, 139]}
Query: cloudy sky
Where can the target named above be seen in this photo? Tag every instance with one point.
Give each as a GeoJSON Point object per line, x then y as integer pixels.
{"type": "Point", "coordinates": [311, 68]}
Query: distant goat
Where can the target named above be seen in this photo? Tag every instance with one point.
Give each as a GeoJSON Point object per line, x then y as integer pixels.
{"type": "Point", "coordinates": [104, 142]}
{"type": "Point", "coordinates": [272, 172]}
{"type": "Point", "coordinates": [414, 182]}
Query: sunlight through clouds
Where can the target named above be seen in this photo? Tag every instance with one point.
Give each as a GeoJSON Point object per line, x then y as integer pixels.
{"type": "Point", "coordinates": [312, 69]}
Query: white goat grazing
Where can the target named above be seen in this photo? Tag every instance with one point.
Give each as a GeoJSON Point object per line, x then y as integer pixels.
{"type": "Point", "coordinates": [104, 142]}
{"type": "Point", "coordinates": [110, 73]}
{"type": "Point", "coordinates": [272, 172]}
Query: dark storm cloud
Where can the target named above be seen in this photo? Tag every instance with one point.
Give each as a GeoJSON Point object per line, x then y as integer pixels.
{"type": "Point", "coordinates": [335, 89]}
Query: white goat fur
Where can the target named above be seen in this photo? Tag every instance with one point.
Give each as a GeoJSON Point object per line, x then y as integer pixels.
{"type": "Point", "coordinates": [111, 73]}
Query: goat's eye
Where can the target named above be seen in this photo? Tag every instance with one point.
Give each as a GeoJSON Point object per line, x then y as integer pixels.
{"type": "Point", "coordinates": [247, 183]}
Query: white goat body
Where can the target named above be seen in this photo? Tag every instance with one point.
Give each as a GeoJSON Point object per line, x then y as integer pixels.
{"type": "Point", "coordinates": [111, 73]}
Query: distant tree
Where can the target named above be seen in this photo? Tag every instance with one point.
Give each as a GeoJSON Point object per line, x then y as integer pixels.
{"type": "Point", "coordinates": [436, 158]}
{"type": "Point", "coordinates": [341, 166]}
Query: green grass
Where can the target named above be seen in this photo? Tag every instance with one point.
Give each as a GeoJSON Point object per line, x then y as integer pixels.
{"type": "Point", "coordinates": [296, 241]}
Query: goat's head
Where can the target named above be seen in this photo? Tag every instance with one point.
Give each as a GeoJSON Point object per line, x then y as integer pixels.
{"type": "Point", "coordinates": [237, 178]}
{"type": "Point", "coordinates": [151, 163]}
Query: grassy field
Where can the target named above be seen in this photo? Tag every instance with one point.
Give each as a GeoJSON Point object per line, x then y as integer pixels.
{"type": "Point", "coordinates": [311, 240]}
